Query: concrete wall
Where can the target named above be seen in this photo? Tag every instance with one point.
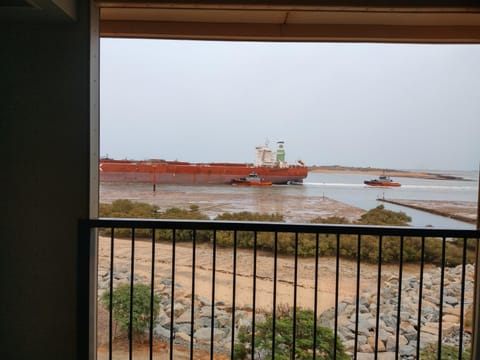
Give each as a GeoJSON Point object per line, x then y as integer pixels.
{"type": "Point", "coordinates": [44, 177]}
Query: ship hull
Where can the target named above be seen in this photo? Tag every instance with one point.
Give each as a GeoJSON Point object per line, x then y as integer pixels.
{"type": "Point", "coordinates": [192, 174]}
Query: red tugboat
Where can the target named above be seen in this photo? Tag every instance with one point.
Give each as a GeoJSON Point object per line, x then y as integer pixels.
{"type": "Point", "coordinates": [382, 180]}
{"type": "Point", "coordinates": [251, 180]}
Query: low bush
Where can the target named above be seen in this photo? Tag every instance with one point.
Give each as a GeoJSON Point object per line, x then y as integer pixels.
{"type": "Point", "coordinates": [449, 352]}
{"type": "Point", "coordinates": [284, 347]}
{"type": "Point", "coordinates": [131, 209]}
{"type": "Point", "coordinates": [285, 243]}
{"type": "Point", "coordinates": [140, 308]}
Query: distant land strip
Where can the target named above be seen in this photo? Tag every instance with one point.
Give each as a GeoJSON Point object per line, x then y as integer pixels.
{"type": "Point", "coordinates": [377, 171]}
{"type": "Point", "coordinates": [465, 211]}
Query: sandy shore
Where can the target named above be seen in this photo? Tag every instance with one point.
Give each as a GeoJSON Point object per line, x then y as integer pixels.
{"type": "Point", "coordinates": [244, 273]}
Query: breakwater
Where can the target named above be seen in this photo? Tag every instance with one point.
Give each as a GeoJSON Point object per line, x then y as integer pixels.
{"type": "Point", "coordinates": [459, 210]}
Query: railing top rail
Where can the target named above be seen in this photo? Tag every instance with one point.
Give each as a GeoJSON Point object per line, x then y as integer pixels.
{"type": "Point", "coordinates": [278, 227]}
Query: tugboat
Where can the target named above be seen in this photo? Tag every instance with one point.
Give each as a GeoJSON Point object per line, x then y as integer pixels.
{"type": "Point", "coordinates": [382, 180]}
{"type": "Point", "coordinates": [251, 180]}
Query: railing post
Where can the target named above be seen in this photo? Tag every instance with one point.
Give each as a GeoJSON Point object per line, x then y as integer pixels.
{"type": "Point", "coordinates": [476, 295]}
{"type": "Point", "coordinates": [86, 291]}
{"type": "Point", "coordinates": [476, 307]}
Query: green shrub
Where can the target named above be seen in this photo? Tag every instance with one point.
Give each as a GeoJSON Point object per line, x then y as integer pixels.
{"type": "Point", "coordinates": [130, 209]}
{"type": "Point", "coordinates": [245, 239]}
{"type": "Point", "coordinates": [181, 214]}
{"type": "Point", "coordinates": [123, 208]}
{"type": "Point", "coordinates": [382, 216]}
{"type": "Point", "coordinates": [284, 338]}
{"type": "Point", "coordinates": [449, 352]}
{"type": "Point", "coordinates": [140, 309]}
{"type": "Point", "coordinates": [286, 241]}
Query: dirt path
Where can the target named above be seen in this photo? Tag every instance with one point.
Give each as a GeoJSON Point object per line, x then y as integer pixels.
{"type": "Point", "coordinates": [244, 271]}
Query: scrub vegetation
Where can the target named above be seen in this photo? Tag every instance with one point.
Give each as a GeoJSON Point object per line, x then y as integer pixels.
{"type": "Point", "coordinates": [140, 308]}
{"type": "Point", "coordinates": [284, 348]}
{"type": "Point", "coordinates": [288, 243]}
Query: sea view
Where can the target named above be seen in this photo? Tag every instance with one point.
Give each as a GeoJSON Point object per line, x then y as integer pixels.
{"type": "Point", "coordinates": [349, 188]}
{"type": "Point", "coordinates": [199, 264]}
{"type": "Point", "coordinates": [306, 201]}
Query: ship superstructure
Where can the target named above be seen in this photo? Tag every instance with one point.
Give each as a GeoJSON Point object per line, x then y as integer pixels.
{"type": "Point", "coordinates": [267, 158]}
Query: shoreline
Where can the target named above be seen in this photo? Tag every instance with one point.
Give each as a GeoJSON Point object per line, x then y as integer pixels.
{"type": "Point", "coordinates": [458, 210]}
{"type": "Point", "coordinates": [390, 172]}
{"type": "Point", "coordinates": [295, 208]}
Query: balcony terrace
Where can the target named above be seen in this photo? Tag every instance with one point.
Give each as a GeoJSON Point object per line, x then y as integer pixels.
{"type": "Point", "coordinates": [232, 288]}
{"type": "Point", "coordinates": [50, 126]}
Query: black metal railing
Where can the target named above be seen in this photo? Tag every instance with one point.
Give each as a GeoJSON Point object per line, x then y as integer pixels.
{"type": "Point", "coordinates": [416, 300]}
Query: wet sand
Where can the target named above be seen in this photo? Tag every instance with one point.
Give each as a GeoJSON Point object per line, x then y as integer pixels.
{"type": "Point", "coordinates": [218, 199]}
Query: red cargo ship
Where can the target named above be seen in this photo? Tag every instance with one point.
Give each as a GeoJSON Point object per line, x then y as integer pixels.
{"type": "Point", "coordinates": [268, 166]}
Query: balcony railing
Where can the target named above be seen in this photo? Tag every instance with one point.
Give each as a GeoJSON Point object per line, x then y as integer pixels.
{"type": "Point", "coordinates": [245, 290]}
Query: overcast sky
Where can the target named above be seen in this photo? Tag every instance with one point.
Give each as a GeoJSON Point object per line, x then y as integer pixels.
{"type": "Point", "coordinates": [378, 105]}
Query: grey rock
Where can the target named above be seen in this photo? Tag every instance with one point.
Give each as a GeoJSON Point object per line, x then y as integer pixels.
{"type": "Point", "coordinates": [407, 350]}
{"type": "Point", "coordinates": [160, 332]}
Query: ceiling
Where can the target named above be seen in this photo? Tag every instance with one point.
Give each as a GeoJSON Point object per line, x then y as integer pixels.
{"type": "Point", "coordinates": [273, 20]}
{"type": "Point", "coordinates": [292, 20]}
{"type": "Point", "coordinates": [52, 11]}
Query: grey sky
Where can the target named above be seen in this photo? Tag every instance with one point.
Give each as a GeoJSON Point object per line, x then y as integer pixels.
{"type": "Point", "coordinates": [378, 105]}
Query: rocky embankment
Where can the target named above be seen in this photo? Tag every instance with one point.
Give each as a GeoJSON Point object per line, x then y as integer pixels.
{"type": "Point", "coordinates": [387, 324]}
{"type": "Point", "coordinates": [429, 320]}
{"type": "Point", "coordinates": [182, 314]}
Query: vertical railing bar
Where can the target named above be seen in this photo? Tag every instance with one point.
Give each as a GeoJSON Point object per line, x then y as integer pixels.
{"type": "Point", "coordinates": [462, 297]}
{"type": "Point", "coordinates": [357, 301]}
{"type": "Point", "coordinates": [192, 309]}
{"type": "Point", "coordinates": [110, 303]}
{"type": "Point", "coordinates": [399, 302]}
{"type": "Point", "coordinates": [152, 296]}
{"type": "Point", "coordinates": [475, 340]}
{"type": "Point", "coordinates": [254, 299]}
{"type": "Point", "coordinates": [172, 292]}
{"type": "Point", "coordinates": [379, 281]}
{"type": "Point", "coordinates": [274, 310]}
{"type": "Point", "coordinates": [132, 276]}
{"type": "Point", "coordinates": [295, 283]}
{"type": "Point", "coordinates": [337, 276]}
{"type": "Point", "coordinates": [420, 296]}
{"type": "Point", "coordinates": [440, 308]}
{"type": "Point", "coordinates": [212, 320]}
{"type": "Point", "coordinates": [234, 284]}
{"type": "Point", "coordinates": [315, 300]}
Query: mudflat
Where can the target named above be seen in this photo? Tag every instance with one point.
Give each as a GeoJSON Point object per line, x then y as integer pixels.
{"type": "Point", "coordinates": [294, 208]}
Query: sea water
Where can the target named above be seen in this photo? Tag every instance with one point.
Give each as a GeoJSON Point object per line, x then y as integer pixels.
{"type": "Point", "coordinates": [349, 188]}
{"type": "Point", "coordinates": [346, 188]}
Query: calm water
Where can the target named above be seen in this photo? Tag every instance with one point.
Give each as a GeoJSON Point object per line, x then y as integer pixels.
{"type": "Point", "coordinates": [349, 188]}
